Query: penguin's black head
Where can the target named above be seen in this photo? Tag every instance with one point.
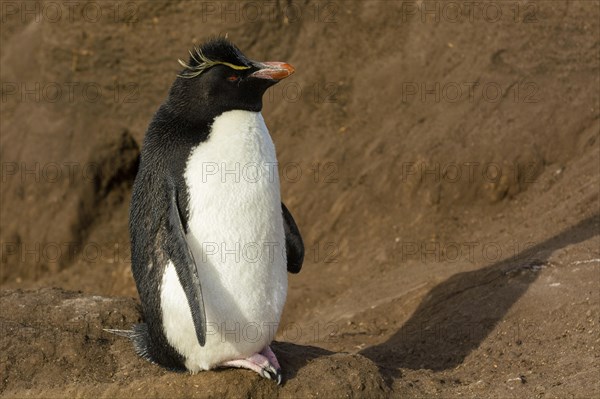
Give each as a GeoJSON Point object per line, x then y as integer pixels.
{"type": "Point", "coordinates": [219, 78]}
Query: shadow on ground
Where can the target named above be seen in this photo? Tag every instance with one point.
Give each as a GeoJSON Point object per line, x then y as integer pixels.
{"type": "Point", "coordinates": [458, 314]}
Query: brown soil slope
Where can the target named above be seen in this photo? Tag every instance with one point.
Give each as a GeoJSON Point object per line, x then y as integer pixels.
{"type": "Point", "coordinates": [441, 160]}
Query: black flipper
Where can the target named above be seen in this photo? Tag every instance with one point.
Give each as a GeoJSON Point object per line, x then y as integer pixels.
{"type": "Point", "coordinates": [182, 258]}
{"type": "Point", "coordinates": [294, 247]}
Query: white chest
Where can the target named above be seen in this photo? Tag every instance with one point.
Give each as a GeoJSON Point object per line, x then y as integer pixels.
{"type": "Point", "coordinates": [235, 232]}
{"type": "Point", "coordinates": [233, 174]}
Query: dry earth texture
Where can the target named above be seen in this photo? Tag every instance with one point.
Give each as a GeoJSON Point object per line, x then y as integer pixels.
{"type": "Point", "coordinates": [441, 160]}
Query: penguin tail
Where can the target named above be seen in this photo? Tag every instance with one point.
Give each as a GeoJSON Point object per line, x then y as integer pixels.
{"type": "Point", "coordinates": [140, 338]}
{"type": "Point", "coordinates": [121, 333]}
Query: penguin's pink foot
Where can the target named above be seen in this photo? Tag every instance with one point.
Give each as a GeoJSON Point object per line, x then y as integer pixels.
{"type": "Point", "coordinates": [268, 353]}
{"type": "Point", "coordinates": [264, 363]}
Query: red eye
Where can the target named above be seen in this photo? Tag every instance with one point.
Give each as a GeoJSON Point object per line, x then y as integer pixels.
{"type": "Point", "coordinates": [233, 78]}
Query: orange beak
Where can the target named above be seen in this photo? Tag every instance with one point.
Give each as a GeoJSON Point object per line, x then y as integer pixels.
{"type": "Point", "coordinates": [273, 70]}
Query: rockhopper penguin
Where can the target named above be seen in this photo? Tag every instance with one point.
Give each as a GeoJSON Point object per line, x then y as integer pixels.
{"type": "Point", "coordinates": [211, 240]}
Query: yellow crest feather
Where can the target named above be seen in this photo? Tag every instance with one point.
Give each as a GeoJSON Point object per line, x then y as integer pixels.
{"type": "Point", "coordinates": [204, 63]}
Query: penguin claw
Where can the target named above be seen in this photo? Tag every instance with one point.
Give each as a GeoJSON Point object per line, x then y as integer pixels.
{"type": "Point", "coordinates": [271, 373]}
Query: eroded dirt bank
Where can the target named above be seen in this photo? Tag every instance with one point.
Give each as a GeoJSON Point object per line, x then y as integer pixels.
{"type": "Point", "coordinates": [443, 169]}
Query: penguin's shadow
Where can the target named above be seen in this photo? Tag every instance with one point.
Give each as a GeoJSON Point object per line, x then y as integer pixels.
{"type": "Point", "coordinates": [294, 357]}
{"type": "Point", "coordinates": [458, 314]}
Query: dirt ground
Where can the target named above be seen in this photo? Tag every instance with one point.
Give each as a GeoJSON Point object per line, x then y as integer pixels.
{"type": "Point", "coordinates": [441, 159]}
